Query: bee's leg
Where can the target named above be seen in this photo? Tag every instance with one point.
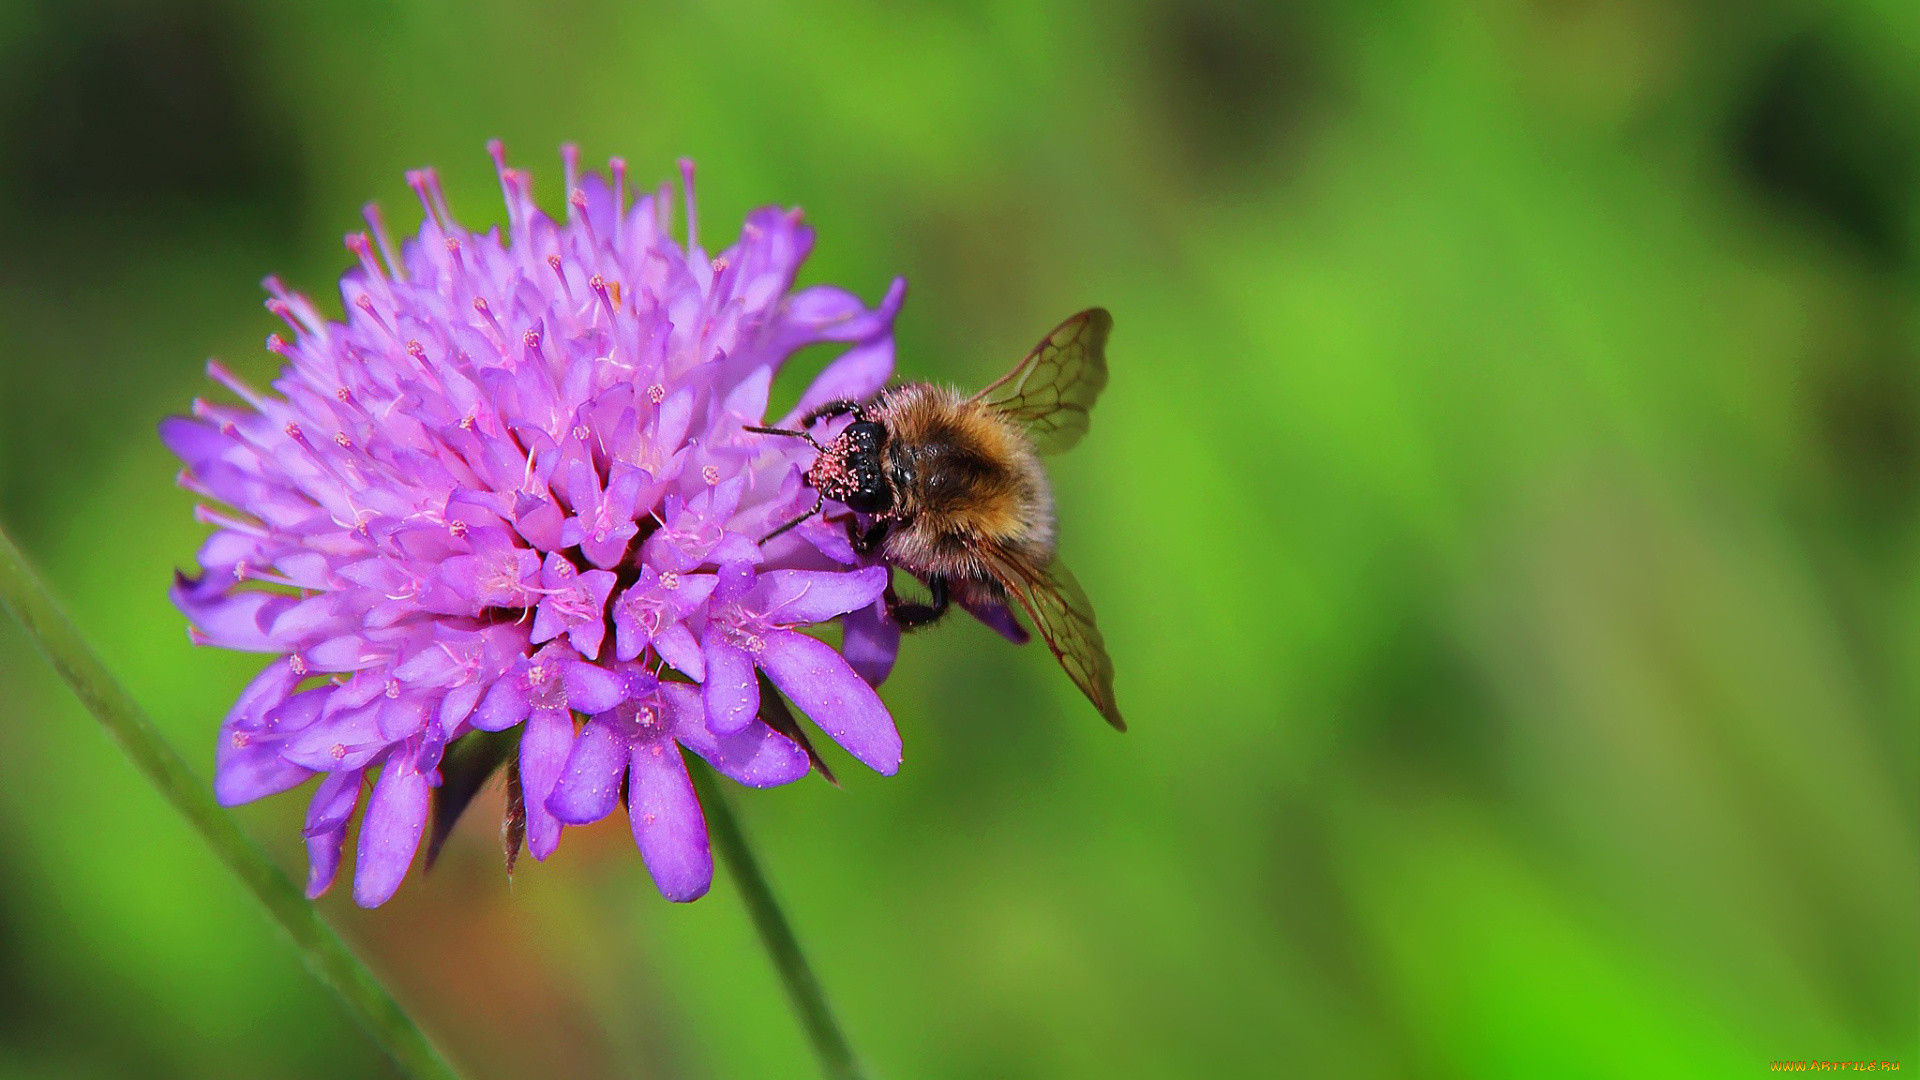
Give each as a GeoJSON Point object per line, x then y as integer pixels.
{"type": "Point", "coordinates": [913, 616]}
{"type": "Point", "coordinates": [832, 408]}
{"type": "Point", "coordinates": [866, 541]}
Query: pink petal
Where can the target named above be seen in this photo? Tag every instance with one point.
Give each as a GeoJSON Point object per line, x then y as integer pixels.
{"type": "Point", "coordinates": [731, 691]}
{"type": "Point", "coordinates": [390, 834]}
{"type": "Point", "coordinates": [667, 823]}
{"type": "Point", "coordinates": [833, 697]}
{"type": "Point", "coordinates": [544, 747]}
{"type": "Point", "coordinates": [871, 642]}
{"type": "Point", "coordinates": [589, 784]}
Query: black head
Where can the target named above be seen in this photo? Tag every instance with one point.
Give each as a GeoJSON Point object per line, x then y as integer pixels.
{"type": "Point", "coordinates": [849, 469]}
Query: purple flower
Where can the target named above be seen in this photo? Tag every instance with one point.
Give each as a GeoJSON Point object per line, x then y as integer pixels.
{"type": "Point", "coordinates": [510, 491]}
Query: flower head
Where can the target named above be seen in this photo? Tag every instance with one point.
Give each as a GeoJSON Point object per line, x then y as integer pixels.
{"type": "Point", "coordinates": [510, 491]}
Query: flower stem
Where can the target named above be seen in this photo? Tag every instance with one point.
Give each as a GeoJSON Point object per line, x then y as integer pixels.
{"type": "Point", "coordinates": [803, 989]}
{"type": "Point", "coordinates": [326, 955]}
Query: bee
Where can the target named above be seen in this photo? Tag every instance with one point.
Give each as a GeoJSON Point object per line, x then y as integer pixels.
{"type": "Point", "coordinates": [951, 490]}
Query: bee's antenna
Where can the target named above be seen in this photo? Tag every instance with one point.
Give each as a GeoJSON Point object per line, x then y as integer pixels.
{"type": "Point", "coordinates": [818, 502]}
{"type": "Point", "coordinates": [789, 434]}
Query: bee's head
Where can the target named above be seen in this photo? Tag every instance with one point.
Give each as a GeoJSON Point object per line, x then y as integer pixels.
{"type": "Point", "coordinates": [849, 471]}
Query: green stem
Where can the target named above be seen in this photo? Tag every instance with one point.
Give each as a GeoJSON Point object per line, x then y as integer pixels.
{"type": "Point", "coordinates": [326, 955]}
{"type": "Point", "coordinates": [803, 990]}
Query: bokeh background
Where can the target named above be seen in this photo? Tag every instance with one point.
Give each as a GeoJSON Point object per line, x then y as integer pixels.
{"type": "Point", "coordinates": [1505, 517]}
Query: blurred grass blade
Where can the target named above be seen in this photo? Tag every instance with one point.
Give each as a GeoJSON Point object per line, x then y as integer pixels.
{"type": "Point", "coordinates": [809, 1000]}
{"type": "Point", "coordinates": [326, 955]}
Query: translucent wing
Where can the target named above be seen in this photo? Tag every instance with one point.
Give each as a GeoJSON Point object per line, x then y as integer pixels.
{"type": "Point", "coordinates": [1063, 615]}
{"type": "Point", "coordinates": [1052, 390]}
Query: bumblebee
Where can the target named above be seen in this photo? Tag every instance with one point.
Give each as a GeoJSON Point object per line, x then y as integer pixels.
{"type": "Point", "coordinates": [950, 489]}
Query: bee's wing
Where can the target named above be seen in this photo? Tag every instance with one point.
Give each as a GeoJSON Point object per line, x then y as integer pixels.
{"type": "Point", "coordinates": [1061, 612]}
{"type": "Point", "coordinates": [1052, 390]}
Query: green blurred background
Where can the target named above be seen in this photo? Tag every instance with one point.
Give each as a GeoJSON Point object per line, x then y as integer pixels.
{"type": "Point", "coordinates": [1503, 517]}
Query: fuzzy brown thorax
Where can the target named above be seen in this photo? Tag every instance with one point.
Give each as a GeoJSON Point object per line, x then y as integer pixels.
{"type": "Point", "coordinates": [959, 476]}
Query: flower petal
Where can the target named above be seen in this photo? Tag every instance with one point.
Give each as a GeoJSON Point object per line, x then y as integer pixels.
{"type": "Point", "coordinates": [343, 742]}
{"type": "Point", "coordinates": [248, 768]}
{"type": "Point", "coordinates": [999, 618]}
{"type": "Point", "coordinates": [605, 541]}
{"type": "Point", "coordinates": [458, 705]}
{"type": "Point", "coordinates": [544, 747]}
{"type": "Point", "coordinates": [403, 717]}
{"type": "Point", "coordinates": [830, 313]}
{"type": "Point", "coordinates": [871, 642]}
{"type": "Point", "coordinates": [668, 826]}
{"type": "Point", "coordinates": [732, 694]}
{"type": "Point", "coordinates": [326, 831]}
{"type": "Point", "coordinates": [589, 784]}
{"type": "Point", "coordinates": [396, 819]}
{"type": "Point", "coordinates": [756, 756]}
{"type": "Point", "coordinates": [804, 597]}
{"type": "Point", "coordinates": [676, 645]}
{"type": "Point", "coordinates": [506, 704]}
{"type": "Point", "coordinates": [587, 634]}
{"type": "Point", "coordinates": [233, 620]}
{"type": "Point", "coordinates": [333, 801]}
{"type": "Point", "coordinates": [591, 688]}
{"type": "Point", "coordinates": [856, 375]}
{"type": "Point", "coordinates": [629, 633]}
{"type": "Point", "coordinates": [833, 697]}
{"type": "Point", "coordinates": [548, 623]}
{"type": "Point", "coordinates": [323, 860]}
